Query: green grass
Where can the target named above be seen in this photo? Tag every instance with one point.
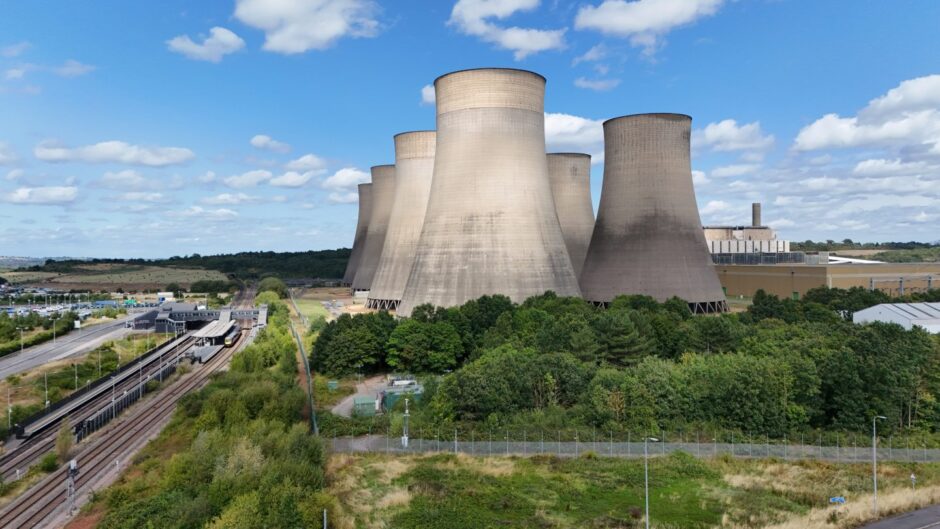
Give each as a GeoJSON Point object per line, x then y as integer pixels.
{"type": "Point", "coordinates": [311, 308]}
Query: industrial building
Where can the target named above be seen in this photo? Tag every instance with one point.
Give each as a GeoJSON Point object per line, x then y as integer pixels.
{"type": "Point", "coordinates": [570, 177]}
{"type": "Point", "coordinates": [490, 225]}
{"type": "Point", "coordinates": [362, 227]}
{"type": "Point", "coordinates": [414, 167]}
{"type": "Point", "coordinates": [907, 315]}
{"type": "Point", "coordinates": [383, 197]}
{"type": "Point", "coordinates": [648, 236]}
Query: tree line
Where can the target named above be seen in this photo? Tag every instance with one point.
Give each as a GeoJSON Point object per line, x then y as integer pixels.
{"type": "Point", "coordinates": [782, 366]}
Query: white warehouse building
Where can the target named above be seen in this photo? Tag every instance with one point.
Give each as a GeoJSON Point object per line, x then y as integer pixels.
{"type": "Point", "coordinates": [907, 315]}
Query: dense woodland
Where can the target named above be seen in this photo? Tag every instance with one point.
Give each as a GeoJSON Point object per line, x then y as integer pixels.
{"type": "Point", "coordinates": [784, 366]}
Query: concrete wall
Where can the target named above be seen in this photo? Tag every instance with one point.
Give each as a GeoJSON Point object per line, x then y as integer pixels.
{"type": "Point", "coordinates": [362, 226]}
{"type": "Point", "coordinates": [414, 167]}
{"type": "Point", "coordinates": [383, 196]}
{"type": "Point", "coordinates": [490, 226]}
{"type": "Point", "coordinates": [784, 280]}
{"type": "Point", "coordinates": [570, 176]}
{"type": "Point", "coordinates": [648, 236]}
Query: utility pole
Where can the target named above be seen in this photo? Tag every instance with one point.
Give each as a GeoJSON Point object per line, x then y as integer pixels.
{"type": "Point", "coordinates": [45, 378]}
{"type": "Point", "coordinates": [404, 437]}
{"type": "Point", "coordinates": [874, 459]}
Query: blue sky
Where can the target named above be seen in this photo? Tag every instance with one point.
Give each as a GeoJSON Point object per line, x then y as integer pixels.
{"type": "Point", "coordinates": [149, 129]}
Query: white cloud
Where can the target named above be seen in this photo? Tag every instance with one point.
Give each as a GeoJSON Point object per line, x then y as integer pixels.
{"type": "Point", "coordinates": [73, 68]}
{"type": "Point", "coordinates": [344, 198]}
{"type": "Point", "coordinates": [699, 178]}
{"type": "Point", "coordinates": [264, 142]}
{"type": "Point", "coordinates": [428, 96]}
{"type": "Point", "coordinates": [644, 22]}
{"type": "Point", "coordinates": [206, 178]}
{"type": "Point", "coordinates": [113, 152]}
{"type": "Point", "coordinates": [143, 196]}
{"type": "Point", "coordinates": [42, 195]}
{"type": "Point", "coordinates": [471, 18]}
{"type": "Point", "coordinates": [292, 179]}
{"type": "Point", "coordinates": [907, 116]}
{"type": "Point", "coordinates": [15, 174]}
{"type": "Point", "coordinates": [229, 199]}
{"type": "Point", "coordinates": [16, 73]}
{"type": "Point", "coordinates": [881, 167]}
{"type": "Point", "coordinates": [248, 179]}
{"type": "Point", "coordinates": [7, 154]}
{"type": "Point", "coordinates": [565, 132]}
{"type": "Point", "coordinates": [300, 25]}
{"type": "Point", "coordinates": [596, 53]}
{"type": "Point", "coordinates": [346, 179]}
{"type": "Point", "coordinates": [727, 135]}
{"type": "Point", "coordinates": [714, 206]}
{"type": "Point", "coordinates": [598, 85]}
{"type": "Point", "coordinates": [213, 48]}
{"type": "Point", "coordinates": [14, 50]}
{"type": "Point", "coordinates": [209, 214]}
{"type": "Point", "coordinates": [307, 162]}
{"type": "Point", "coordinates": [126, 179]}
{"type": "Point", "coordinates": [734, 170]}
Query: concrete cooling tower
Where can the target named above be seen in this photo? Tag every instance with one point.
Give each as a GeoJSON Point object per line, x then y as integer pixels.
{"type": "Point", "coordinates": [490, 226]}
{"type": "Point", "coordinates": [648, 236]}
{"type": "Point", "coordinates": [414, 166]}
{"type": "Point", "coordinates": [362, 226]}
{"type": "Point", "coordinates": [383, 195]}
{"type": "Point", "coordinates": [570, 177]}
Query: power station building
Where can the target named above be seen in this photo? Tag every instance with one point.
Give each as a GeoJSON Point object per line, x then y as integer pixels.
{"type": "Point", "coordinates": [490, 225]}
{"type": "Point", "coordinates": [648, 235]}
{"type": "Point", "coordinates": [570, 177]}
{"type": "Point", "coordinates": [362, 226]}
{"type": "Point", "coordinates": [383, 197]}
{"type": "Point", "coordinates": [414, 167]}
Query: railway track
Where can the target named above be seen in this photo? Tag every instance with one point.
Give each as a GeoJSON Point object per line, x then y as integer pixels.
{"type": "Point", "coordinates": [36, 504]}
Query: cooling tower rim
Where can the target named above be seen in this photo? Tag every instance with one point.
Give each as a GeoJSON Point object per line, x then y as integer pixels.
{"type": "Point", "coordinates": [364, 185]}
{"type": "Point", "coordinates": [382, 166]}
{"type": "Point", "coordinates": [414, 132]}
{"type": "Point", "coordinates": [577, 154]}
{"type": "Point", "coordinates": [648, 114]}
{"type": "Point", "coordinates": [520, 70]}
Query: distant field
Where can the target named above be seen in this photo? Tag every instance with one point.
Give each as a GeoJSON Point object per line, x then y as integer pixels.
{"type": "Point", "coordinates": [106, 276]}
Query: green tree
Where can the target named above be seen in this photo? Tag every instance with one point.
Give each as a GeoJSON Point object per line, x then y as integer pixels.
{"type": "Point", "coordinates": [424, 347]}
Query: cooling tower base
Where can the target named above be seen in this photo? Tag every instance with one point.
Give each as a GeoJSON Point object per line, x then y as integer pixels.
{"type": "Point", "coordinates": [697, 307]}
{"type": "Point", "coordinates": [383, 304]}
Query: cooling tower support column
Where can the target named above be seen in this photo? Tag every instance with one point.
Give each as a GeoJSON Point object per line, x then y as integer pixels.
{"type": "Point", "coordinates": [414, 166]}
{"type": "Point", "coordinates": [383, 194]}
{"type": "Point", "coordinates": [362, 226]}
{"type": "Point", "coordinates": [648, 236]}
{"type": "Point", "coordinates": [490, 226]}
{"type": "Point", "coordinates": [570, 176]}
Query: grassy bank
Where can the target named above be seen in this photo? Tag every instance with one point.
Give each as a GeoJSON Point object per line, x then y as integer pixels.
{"type": "Point", "coordinates": [458, 492]}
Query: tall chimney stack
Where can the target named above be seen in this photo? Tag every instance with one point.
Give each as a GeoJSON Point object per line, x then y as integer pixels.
{"type": "Point", "coordinates": [755, 214]}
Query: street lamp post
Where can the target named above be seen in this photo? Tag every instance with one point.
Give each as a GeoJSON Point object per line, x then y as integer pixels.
{"type": "Point", "coordinates": [874, 459]}
{"type": "Point", "coordinates": [54, 320]}
{"type": "Point", "coordinates": [646, 476]}
{"type": "Point", "coordinates": [21, 329]}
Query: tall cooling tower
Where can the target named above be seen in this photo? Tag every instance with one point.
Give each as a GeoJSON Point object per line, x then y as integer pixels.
{"type": "Point", "coordinates": [362, 226]}
{"type": "Point", "coordinates": [570, 176]}
{"type": "Point", "coordinates": [490, 226]}
{"type": "Point", "coordinates": [648, 236]}
{"type": "Point", "coordinates": [414, 166]}
{"type": "Point", "coordinates": [383, 195]}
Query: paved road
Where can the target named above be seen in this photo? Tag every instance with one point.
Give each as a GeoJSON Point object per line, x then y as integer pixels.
{"type": "Point", "coordinates": [73, 343]}
{"type": "Point", "coordinates": [928, 518]}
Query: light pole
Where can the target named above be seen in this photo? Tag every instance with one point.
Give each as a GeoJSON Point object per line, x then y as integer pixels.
{"type": "Point", "coordinates": [54, 320]}
{"type": "Point", "coordinates": [874, 459]}
{"type": "Point", "coordinates": [45, 378]}
{"type": "Point", "coordinates": [404, 437]}
{"type": "Point", "coordinates": [646, 476]}
{"type": "Point", "coordinates": [21, 329]}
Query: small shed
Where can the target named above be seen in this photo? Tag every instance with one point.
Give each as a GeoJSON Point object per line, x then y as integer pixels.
{"type": "Point", "coordinates": [364, 406]}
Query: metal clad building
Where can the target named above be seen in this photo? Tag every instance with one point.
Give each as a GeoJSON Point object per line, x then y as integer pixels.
{"type": "Point", "coordinates": [907, 315]}
{"type": "Point", "coordinates": [362, 227]}
{"type": "Point", "coordinates": [414, 167]}
{"type": "Point", "coordinates": [490, 226]}
{"type": "Point", "coordinates": [383, 196]}
{"type": "Point", "coordinates": [648, 236]}
{"type": "Point", "coordinates": [570, 177]}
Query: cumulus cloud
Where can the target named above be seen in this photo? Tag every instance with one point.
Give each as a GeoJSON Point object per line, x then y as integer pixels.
{"type": "Point", "coordinates": [428, 95]}
{"type": "Point", "coordinates": [213, 48]}
{"type": "Point", "coordinates": [301, 25]}
{"type": "Point", "coordinates": [699, 178]}
{"type": "Point", "coordinates": [229, 199]}
{"type": "Point", "coordinates": [50, 195]}
{"type": "Point", "coordinates": [206, 178]}
{"type": "Point", "coordinates": [209, 214]}
{"type": "Point", "coordinates": [17, 72]}
{"type": "Point", "coordinates": [113, 152]}
{"type": "Point", "coordinates": [472, 17]}
{"type": "Point", "coordinates": [598, 85]}
{"type": "Point", "coordinates": [727, 135]}
{"type": "Point", "coordinates": [307, 162]}
{"type": "Point", "coordinates": [292, 179]}
{"type": "Point", "coordinates": [644, 22]}
{"type": "Point", "coordinates": [14, 50]}
{"type": "Point", "coordinates": [881, 167]}
{"type": "Point", "coordinates": [734, 170]}
{"type": "Point", "coordinates": [714, 206]}
{"type": "Point", "coordinates": [143, 196]}
{"type": "Point", "coordinates": [264, 142]}
{"type": "Point", "coordinates": [7, 154]}
{"type": "Point", "coordinates": [14, 174]}
{"type": "Point", "coordinates": [907, 116]}
{"type": "Point", "coordinates": [73, 68]}
{"type": "Point", "coordinates": [126, 179]}
{"type": "Point", "coordinates": [346, 179]}
{"type": "Point", "coordinates": [249, 179]}
{"type": "Point", "coordinates": [596, 53]}
{"type": "Point", "coordinates": [565, 132]}
{"type": "Point", "coordinates": [343, 198]}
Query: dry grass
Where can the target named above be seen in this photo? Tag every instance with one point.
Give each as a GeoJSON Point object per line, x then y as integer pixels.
{"type": "Point", "coordinates": [365, 488]}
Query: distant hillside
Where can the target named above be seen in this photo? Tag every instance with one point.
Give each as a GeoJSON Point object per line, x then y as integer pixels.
{"type": "Point", "coordinates": [325, 264]}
